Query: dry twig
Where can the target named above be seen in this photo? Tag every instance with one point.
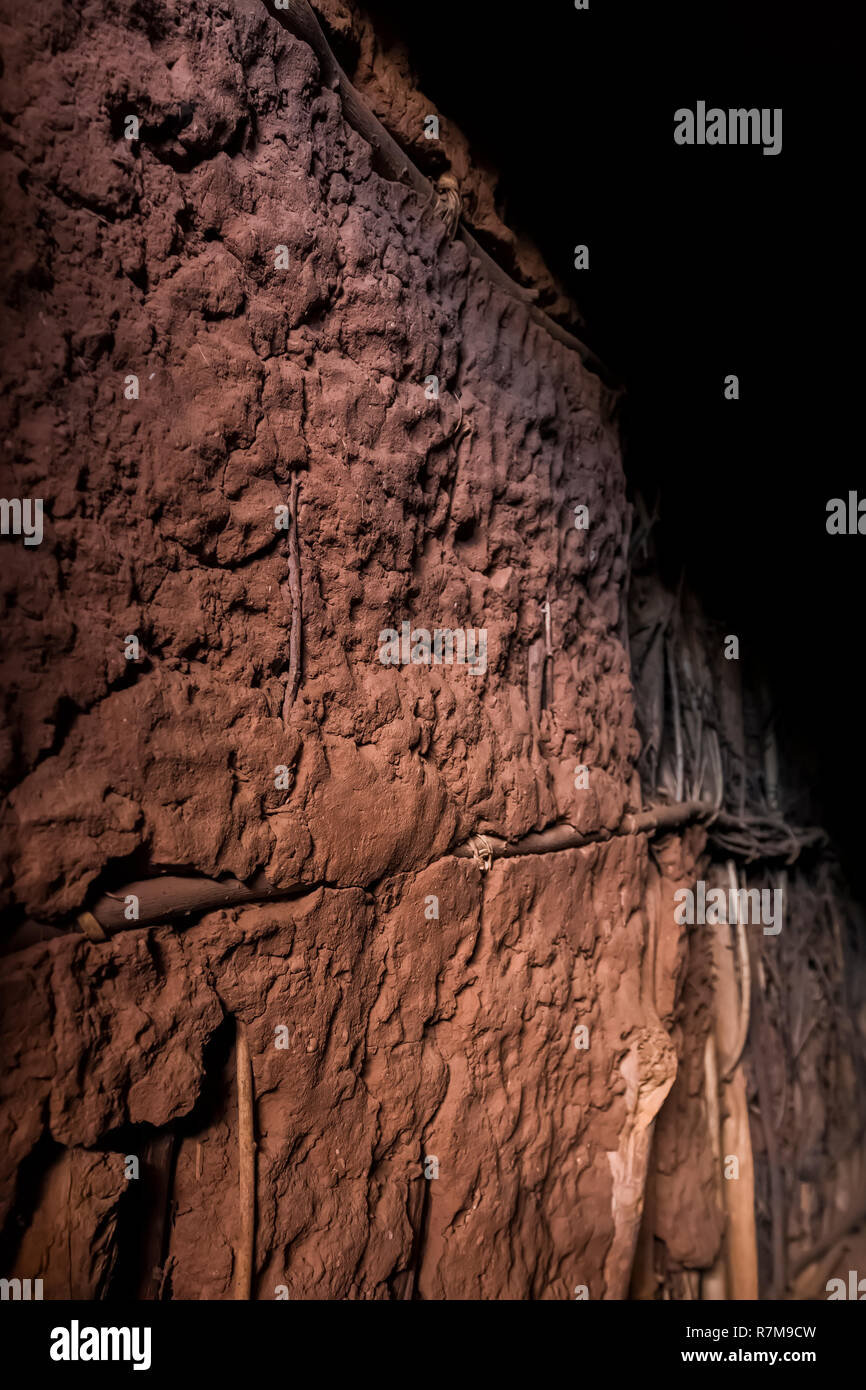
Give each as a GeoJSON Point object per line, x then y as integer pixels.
{"type": "Point", "coordinates": [291, 593]}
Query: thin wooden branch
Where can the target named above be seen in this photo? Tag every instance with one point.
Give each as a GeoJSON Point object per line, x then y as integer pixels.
{"type": "Point", "coordinates": [678, 737]}
{"type": "Point", "coordinates": [558, 837]}
{"type": "Point", "coordinates": [738, 1255]}
{"type": "Point", "coordinates": [292, 595]}
{"type": "Point", "coordinates": [169, 897]}
{"type": "Point", "coordinates": [714, 1283]}
{"type": "Point", "coordinates": [745, 984]}
{"type": "Point", "coordinates": [547, 668]}
{"type": "Point", "coordinates": [764, 837]}
{"type": "Point", "coordinates": [157, 1172]}
{"type": "Point", "coordinates": [166, 898]}
{"type": "Point", "coordinates": [719, 769]}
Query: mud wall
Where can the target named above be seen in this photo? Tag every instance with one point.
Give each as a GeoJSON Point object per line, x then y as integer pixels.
{"type": "Point", "coordinates": [456, 1067]}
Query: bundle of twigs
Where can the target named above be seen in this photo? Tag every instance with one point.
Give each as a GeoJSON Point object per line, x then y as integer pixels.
{"type": "Point", "coordinates": [808, 1065]}
{"type": "Point", "coordinates": [762, 836]}
{"type": "Point", "coordinates": [709, 731]}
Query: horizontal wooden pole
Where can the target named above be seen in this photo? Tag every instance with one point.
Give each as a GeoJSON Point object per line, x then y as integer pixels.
{"type": "Point", "coordinates": [168, 897]}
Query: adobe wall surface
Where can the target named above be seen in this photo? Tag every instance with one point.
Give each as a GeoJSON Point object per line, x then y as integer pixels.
{"type": "Point", "coordinates": [406, 1035]}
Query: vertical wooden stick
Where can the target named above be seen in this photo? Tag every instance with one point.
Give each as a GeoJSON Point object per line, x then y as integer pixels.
{"type": "Point", "coordinates": [158, 1169]}
{"type": "Point", "coordinates": [714, 1281]}
{"type": "Point", "coordinates": [731, 1026]}
{"type": "Point", "coordinates": [547, 664]}
{"type": "Point", "coordinates": [246, 1169]}
{"type": "Point", "coordinates": [678, 738]}
{"type": "Point", "coordinates": [744, 1012]}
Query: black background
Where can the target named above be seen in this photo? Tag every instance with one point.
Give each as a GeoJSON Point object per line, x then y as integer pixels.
{"type": "Point", "coordinates": [703, 262]}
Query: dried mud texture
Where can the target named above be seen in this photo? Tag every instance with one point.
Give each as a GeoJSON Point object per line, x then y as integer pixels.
{"type": "Point", "coordinates": [379, 1039]}
{"type": "Point", "coordinates": [158, 259]}
{"type": "Point", "coordinates": [282, 306]}
{"type": "Point", "coordinates": [381, 70]}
